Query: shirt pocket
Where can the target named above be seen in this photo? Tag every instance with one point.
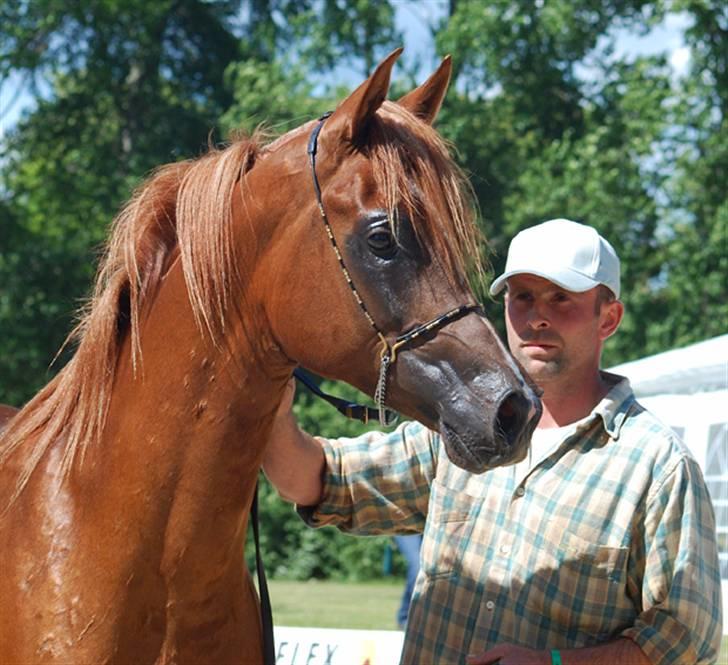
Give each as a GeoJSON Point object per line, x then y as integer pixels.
{"type": "Point", "coordinates": [580, 587]}
{"type": "Point", "coordinates": [448, 530]}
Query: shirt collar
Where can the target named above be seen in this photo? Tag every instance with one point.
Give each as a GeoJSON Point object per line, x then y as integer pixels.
{"type": "Point", "coordinates": [615, 405]}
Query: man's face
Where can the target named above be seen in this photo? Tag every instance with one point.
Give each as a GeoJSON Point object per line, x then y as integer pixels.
{"type": "Point", "coordinates": [556, 333]}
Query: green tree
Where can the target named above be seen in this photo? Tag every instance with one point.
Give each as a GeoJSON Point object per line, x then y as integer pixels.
{"type": "Point", "coordinates": [131, 85]}
{"type": "Point", "coordinates": [691, 294]}
{"type": "Point", "coordinates": [601, 177]}
{"type": "Point", "coordinates": [354, 34]}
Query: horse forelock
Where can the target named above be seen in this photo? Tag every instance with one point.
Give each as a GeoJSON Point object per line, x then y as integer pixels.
{"type": "Point", "coordinates": [184, 207]}
{"type": "Point", "coordinates": [413, 166]}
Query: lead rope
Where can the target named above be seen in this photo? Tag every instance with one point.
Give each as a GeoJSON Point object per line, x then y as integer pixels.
{"type": "Point", "coordinates": [266, 614]}
{"type": "Point", "coordinates": [352, 410]}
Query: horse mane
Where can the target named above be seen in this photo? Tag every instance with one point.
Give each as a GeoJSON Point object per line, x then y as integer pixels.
{"type": "Point", "coordinates": [185, 209]}
{"type": "Point", "coordinates": [177, 211]}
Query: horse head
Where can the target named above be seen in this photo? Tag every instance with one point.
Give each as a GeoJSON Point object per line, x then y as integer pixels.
{"type": "Point", "coordinates": [376, 234]}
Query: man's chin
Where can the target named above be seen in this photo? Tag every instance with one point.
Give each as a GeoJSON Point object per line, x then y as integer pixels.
{"type": "Point", "coordinates": [540, 369]}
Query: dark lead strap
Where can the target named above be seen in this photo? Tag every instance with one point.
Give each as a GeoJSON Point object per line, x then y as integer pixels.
{"type": "Point", "coordinates": [266, 614]}
{"type": "Point", "coordinates": [349, 409]}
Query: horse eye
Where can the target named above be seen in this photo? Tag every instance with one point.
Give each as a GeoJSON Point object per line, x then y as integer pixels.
{"type": "Point", "coordinates": [381, 241]}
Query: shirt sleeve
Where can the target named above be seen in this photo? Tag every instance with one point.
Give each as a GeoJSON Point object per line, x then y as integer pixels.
{"type": "Point", "coordinates": [378, 482]}
{"type": "Point", "coordinates": [680, 593]}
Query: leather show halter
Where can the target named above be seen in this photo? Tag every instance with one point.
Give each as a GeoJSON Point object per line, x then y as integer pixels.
{"type": "Point", "coordinates": [388, 353]}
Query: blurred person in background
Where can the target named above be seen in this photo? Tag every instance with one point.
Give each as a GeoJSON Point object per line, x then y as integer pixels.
{"type": "Point", "coordinates": [409, 546]}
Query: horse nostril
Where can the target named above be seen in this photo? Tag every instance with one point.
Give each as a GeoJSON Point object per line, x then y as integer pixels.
{"type": "Point", "coordinates": [512, 416]}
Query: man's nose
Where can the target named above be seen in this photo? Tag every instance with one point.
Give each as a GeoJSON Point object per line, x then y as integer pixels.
{"type": "Point", "coordinates": [537, 320]}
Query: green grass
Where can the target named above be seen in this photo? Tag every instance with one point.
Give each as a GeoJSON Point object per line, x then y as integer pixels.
{"type": "Point", "coordinates": [366, 605]}
{"type": "Point", "coordinates": [369, 605]}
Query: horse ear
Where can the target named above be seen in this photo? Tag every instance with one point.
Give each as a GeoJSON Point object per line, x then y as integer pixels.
{"type": "Point", "coordinates": [351, 117]}
{"type": "Point", "coordinates": [426, 100]}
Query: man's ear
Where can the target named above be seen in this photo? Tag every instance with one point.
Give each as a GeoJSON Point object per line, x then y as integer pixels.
{"type": "Point", "coordinates": [610, 316]}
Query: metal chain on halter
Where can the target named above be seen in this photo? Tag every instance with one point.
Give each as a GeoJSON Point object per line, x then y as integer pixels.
{"type": "Point", "coordinates": [386, 417]}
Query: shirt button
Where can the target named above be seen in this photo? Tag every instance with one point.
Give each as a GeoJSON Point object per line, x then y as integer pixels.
{"type": "Point", "coordinates": [505, 549]}
{"type": "Point", "coordinates": [490, 606]}
{"type": "Point", "coordinates": [520, 491]}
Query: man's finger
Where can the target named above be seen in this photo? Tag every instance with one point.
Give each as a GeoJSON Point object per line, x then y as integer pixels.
{"type": "Point", "coordinates": [485, 658]}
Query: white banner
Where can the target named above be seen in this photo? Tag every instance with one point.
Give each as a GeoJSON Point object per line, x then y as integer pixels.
{"type": "Point", "coordinates": [331, 646]}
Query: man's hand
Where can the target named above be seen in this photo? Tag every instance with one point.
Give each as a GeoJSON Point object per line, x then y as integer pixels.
{"type": "Point", "coordinates": [622, 650]}
{"type": "Point", "coordinates": [293, 460]}
{"type": "Point", "coordinates": [510, 654]}
{"type": "Point", "coordinates": [286, 405]}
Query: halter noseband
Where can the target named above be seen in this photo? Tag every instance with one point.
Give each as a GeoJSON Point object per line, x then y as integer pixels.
{"type": "Point", "coordinates": [388, 353]}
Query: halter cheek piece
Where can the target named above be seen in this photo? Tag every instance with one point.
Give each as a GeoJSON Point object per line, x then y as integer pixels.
{"type": "Point", "coordinates": [388, 353]}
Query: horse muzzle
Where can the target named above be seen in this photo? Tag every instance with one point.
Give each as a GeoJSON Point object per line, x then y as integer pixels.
{"type": "Point", "coordinates": [501, 440]}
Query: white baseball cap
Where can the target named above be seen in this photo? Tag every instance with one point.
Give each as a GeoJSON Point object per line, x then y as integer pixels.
{"type": "Point", "coordinates": [569, 254]}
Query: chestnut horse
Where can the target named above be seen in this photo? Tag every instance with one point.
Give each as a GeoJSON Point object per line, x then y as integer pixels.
{"type": "Point", "coordinates": [126, 483]}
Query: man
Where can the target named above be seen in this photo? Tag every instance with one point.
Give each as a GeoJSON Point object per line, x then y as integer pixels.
{"type": "Point", "coordinates": [598, 548]}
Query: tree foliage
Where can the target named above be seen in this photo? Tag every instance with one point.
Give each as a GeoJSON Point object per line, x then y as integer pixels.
{"type": "Point", "coordinates": [132, 86]}
{"type": "Point", "coordinates": [547, 121]}
{"type": "Point", "coordinates": [693, 244]}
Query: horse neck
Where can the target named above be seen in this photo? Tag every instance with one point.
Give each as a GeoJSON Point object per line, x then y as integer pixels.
{"type": "Point", "coordinates": [184, 437]}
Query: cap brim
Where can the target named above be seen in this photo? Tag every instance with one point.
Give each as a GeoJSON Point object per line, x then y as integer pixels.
{"type": "Point", "coordinates": [565, 278]}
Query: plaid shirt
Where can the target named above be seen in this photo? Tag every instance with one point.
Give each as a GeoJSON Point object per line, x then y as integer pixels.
{"type": "Point", "coordinates": [612, 534]}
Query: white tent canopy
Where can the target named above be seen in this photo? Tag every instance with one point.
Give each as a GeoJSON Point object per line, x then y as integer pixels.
{"type": "Point", "coordinates": [700, 367]}
{"type": "Point", "coordinates": [687, 388]}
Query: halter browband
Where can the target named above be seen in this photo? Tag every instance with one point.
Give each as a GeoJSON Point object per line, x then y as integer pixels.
{"type": "Point", "coordinates": [388, 353]}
